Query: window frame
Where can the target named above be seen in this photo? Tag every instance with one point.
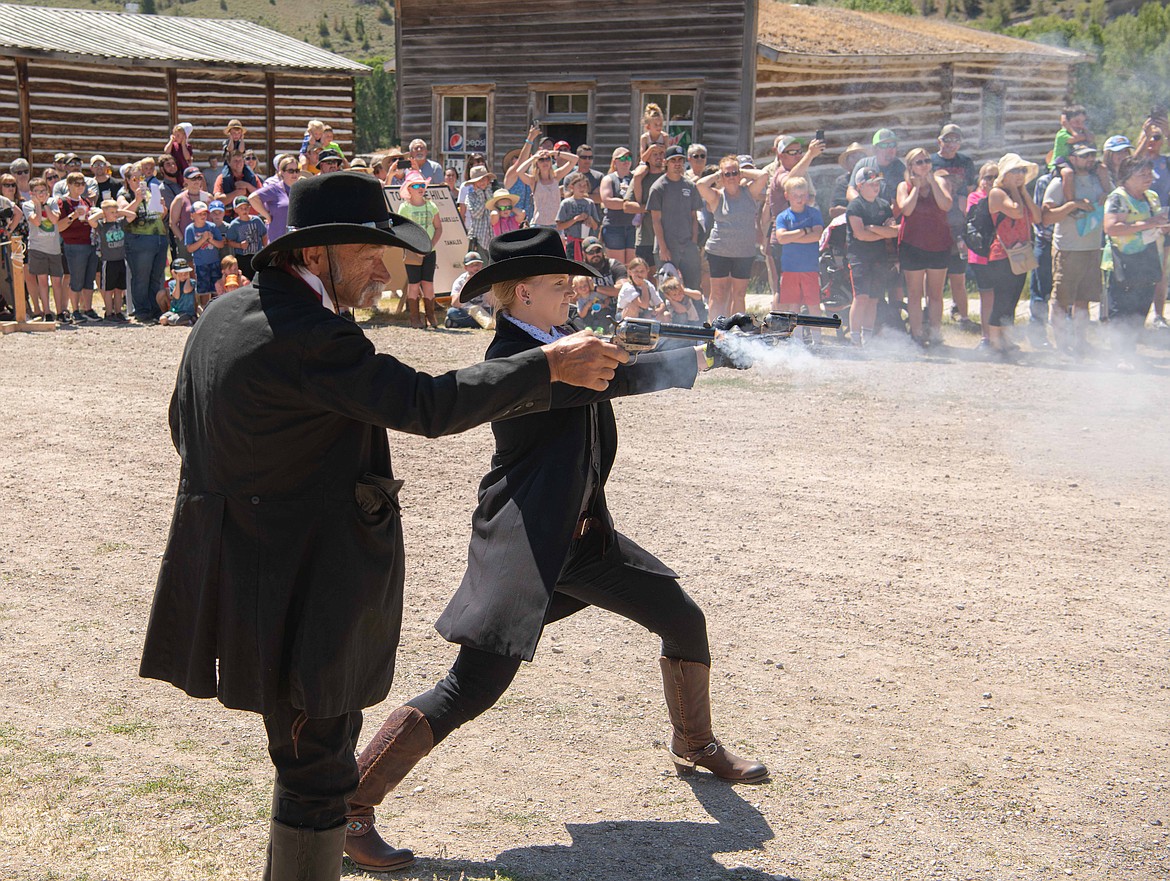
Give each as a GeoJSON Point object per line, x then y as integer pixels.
{"type": "Point", "coordinates": [641, 89]}
{"type": "Point", "coordinates": [539, 93]}
{"type": "Point", "coordinates": [439, 96]}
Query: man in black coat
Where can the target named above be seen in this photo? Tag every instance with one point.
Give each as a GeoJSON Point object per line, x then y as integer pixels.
{"type": "Point", "coordinates": [280, 590]}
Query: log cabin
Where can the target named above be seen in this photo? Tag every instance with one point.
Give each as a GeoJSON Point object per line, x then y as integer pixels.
{"type": "Point", "coordinates": [89, 81]}
{"type": "Point", "coordinates": [473, 76]}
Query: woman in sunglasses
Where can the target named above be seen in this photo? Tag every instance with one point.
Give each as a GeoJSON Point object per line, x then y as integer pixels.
{"type": "Point", "coordinates": [924, 243]}
{"type": "Point", "coordinates": [270, 202]}
{"type": "Point", "coordinates": [618, 232]}
{"type": "Point", "coordinates": [420, 268]}
{"type": "Point", "coordinates": [732, 195]}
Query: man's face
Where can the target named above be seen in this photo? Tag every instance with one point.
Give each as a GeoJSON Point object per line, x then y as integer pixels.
{"type": "Point", "coordinates": [418, 152]}
{"type": "Point", "coordinates": [790, 155]}
{"type": "Point", "coordinates": [885, 152]}
{"type": "Point", "coordinates": [949, 145]}
{"type": "Point", "coordinates": [675, 166]}
{"type": "Point", "coordinates": [584, 161]}
{"type": "Point", "coordinates": [195, 184]}
{"type": "Point", "coordinates": [656, 158]}
{"type": "Point", "coordinates": [595, 256]}
{"type": "Point", "coordinates": [100, 170]}
{"type": "Point", "coordinates": [73, 165]}
{"type": "Point", "coordinates": [1083, 164]}
{"type": "Point", "coordinates": [236, 163]}
{"type": "Point", "coordinates": [328, 166]}
{"type": "Point", "coordinates": [698, 160]}
{"type": "Point", "coordinates": [359, 273]}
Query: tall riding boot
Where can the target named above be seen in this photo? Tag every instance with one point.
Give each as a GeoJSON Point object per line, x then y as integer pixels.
{"type": "Point", "coordinates": [303, 854]}
{"type": "Point", "coordinates": [429, 307]}
{"type": "Point", "coordinates": [412, 312]}
{"type": "Point", "coordinates": [398, 746]}
{"type": "Point", "coordinates": [688, 701]}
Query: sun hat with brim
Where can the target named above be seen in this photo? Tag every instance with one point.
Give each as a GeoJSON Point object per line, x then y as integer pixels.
{"type": "Point", "coordinates": [478, 173]}
{"type": "Point", "coordinates": [1083, 150]}
{"type": "Point", "coordinates": [233, 123]}
{"type": "Point", "coordinates": [1014, 162]}
{"type": "Point", "coordinates": [853, 152]}
{"type": "Point", "coordinates": [412, 177]}
{"type": "Point", "coordinates": [344, 208]}
{"type": "Point", "coordinates": [524, 253]}
{"type": "Point", "coordinates": [500, 196]}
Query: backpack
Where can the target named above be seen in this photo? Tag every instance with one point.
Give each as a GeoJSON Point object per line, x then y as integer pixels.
{"type": "Point", "coordinates": [979, 233]}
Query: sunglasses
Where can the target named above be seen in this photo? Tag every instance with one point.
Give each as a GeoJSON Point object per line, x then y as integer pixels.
{"type": "Point", "coordinates": [588, 156]}
{"type": "Point", "coordinates": [21, 173]}
{"type": "Point", "coordinates": [52, 177]}
{"type": "Point", "coordinates": [417, 186]}
{"type": "Point", "coordinates": [290, 170]}
{"type": "Point", "coordinates": [12, 186]}
{"type": "Point", "coordinates": [952, 139]}
{"type": "Point", "coordinates": [625, 159]}
{"type": "Point", "coordinates": [504, 206]}
{"type": "Point", "coordinates": [1155, 137]}
{"type": "Point", "coordinates": [731, 172]}
{"type": "Point", "coordinates": [893, 146]}
{"type": "Point", "coordinates": [698, 155]}
{"type": "Point", "coordinates": [794, 152]}
{"type": "Point", "coordinates": [921, 162]}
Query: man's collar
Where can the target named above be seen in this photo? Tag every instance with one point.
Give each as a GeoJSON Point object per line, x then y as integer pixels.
{"type": "Point", "coordinates": [317, 285]}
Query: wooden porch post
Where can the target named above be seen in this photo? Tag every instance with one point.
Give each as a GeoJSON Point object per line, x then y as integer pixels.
{"type": "Point", "coordinates": [270, 115]}
{"type": "Point", "coordinates": [25, 112]}
{"type": "Point", "coordinates": [172, 96]}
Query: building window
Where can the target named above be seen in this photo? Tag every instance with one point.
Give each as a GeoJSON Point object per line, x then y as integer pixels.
{"type": "Point", "coordinates": [679, 110]}
{"type": "Point", "coordinates": [991, 115]}
{"type": "Point", "coordinates": [465, 127]}
{"type": "Point", "coordinates": [564, 114]}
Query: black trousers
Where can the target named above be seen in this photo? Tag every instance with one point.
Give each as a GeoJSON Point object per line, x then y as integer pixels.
{"type": "Point", "coordinates": [478, 679]}
{"type": "Point", "coordinates": [316, 769]}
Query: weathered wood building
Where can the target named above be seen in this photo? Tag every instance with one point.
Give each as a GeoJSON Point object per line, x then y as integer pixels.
{"type": "Point", "coordinates": [114, 83]}
{"type": "Point", "coordinates": [732, 75]}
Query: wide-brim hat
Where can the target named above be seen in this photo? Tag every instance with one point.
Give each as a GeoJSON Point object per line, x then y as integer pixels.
{"type": "Point", "coordinates": [853, 152]}
{"type": "Point", "coordinates": [1014, 162]}
{"type": "Point", "coordinates": [234, 123]}
{"type": "Point", "coordinates": [499, 196]}
{"type": "Point", "coordinates": [524, 253]}
{"type": "Point", "coordinates": [343, 208]}
{"type": "Point", "coordinates": [412, 177]}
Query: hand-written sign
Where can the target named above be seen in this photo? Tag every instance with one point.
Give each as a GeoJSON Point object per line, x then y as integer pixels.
{"type": "Point", "coordinates": [451, 247]}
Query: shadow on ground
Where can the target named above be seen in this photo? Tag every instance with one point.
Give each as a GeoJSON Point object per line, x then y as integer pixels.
{"type": "Point", "coordinates": [633, 850]}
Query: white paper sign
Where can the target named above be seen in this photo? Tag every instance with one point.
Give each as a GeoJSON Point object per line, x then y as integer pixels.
{"type": "Point", "coordinates": [452, 244]}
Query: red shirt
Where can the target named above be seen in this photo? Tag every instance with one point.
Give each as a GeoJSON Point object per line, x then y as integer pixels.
{"type": "Point", "coordinates": [79, 231]}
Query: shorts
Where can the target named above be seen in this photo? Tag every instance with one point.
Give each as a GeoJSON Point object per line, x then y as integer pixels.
{"type": "Point", "coordinates": [646, 252]}
{"type": "Point", "coordinates": [420, 272]}
{"type": "Point", "coordinates": [1076, 276]}
{"type": "Point", "coordinates": [870, 280]}
{"type": "Point", "coordinates": [206, 276]}
{"type": "Point", "coordinates": [957, 265]}
{"type": "Point", "coordinates": [619, 238]}
{"type": "Point", "coordinates": [736, 267]}
{"type": "Point", "coordinates": [40, 263]}
{"type": "Point", "coordinates": [983, 278]}
{"type": "Point", "coordinates": [113, 275]}
{"type": "Point", "coordinates": [801, 288]}
{"type": "Point", "coordinates": [917, 259]}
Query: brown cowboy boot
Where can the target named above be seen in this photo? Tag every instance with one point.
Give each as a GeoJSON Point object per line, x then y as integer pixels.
{"type": "Point", "coordinates": [413, 312]}
{"type": "Point", "coordinates": [404, 738]}
{"type": "Point", "coordinates": [429, 307]}
{"type": "Point", "coordinates": [688, 701]}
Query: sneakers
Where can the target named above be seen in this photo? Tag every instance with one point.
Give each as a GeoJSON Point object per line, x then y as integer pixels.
{"type": "Point", "coordinates": [80, 317]}
{"type": "Point", "coordinates": [50, 317]}
{"type": "Point", "coordinates": [92, 315]}
{"type": "Point", "coordinates": [968, 326]}
{"type": "Point", "coordinates": [1160, 322]}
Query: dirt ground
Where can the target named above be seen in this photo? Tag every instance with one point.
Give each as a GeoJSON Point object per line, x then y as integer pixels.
{"type": "Point", "coordinates": [936, 590]}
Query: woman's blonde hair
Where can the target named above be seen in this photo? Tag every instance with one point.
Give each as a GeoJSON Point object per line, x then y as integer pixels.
{"type": "Point", "coordinates": [988, 169]}
{"type": "Point", "coordinates": [909, 160]}
{"type": "Point", "coordinates": [503, 293]}
{"type": "Point", "coordinates": [652, 111]}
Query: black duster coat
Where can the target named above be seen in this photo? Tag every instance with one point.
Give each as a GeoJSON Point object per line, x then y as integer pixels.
{"type": "Point", "coordinates": [283, 572]}
{"type": "Point", "coordinates": [531, 500]}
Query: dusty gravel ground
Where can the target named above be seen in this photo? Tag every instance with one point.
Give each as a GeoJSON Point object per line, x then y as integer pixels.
{"type": "Point", "coordinates": [936, 590]}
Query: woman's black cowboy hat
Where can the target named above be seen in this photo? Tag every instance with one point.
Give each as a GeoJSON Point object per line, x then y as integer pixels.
{"type": "Point", "coordinates": [523, 253]}
{"type": "Point", "coordinates": [343, 208]}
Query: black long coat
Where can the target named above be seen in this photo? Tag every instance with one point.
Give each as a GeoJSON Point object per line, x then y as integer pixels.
{"type": "Point", "coordinates": [283, 572]}
{"type": "Point", "coordinates": [531, 499]}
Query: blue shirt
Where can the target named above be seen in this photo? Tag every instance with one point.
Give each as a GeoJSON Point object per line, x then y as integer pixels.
{"type": "Point", "coordinates": [805, 256]}
{"type": "Point", "coordinates": [249, 232]}
{"type": "Point", "coordinates": [204, 256]}
{"type": "Point", "coordinates": [182, 302]}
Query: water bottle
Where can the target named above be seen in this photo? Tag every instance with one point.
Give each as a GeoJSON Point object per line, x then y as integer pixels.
{"type": "Point", "coordinates": [597, 320]}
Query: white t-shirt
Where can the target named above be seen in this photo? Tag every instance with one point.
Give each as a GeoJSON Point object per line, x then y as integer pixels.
{"type": "Point", "coordinates": [628, 293]}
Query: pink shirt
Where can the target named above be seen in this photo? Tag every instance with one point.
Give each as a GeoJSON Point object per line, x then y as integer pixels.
{"type": "Point", "coordinates": [972, 200]}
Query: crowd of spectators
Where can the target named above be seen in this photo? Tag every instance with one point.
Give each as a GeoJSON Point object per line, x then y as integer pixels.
{"type": "Point", "coordinates": [680, 234]}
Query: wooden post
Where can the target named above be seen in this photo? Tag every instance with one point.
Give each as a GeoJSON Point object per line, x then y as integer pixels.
{"type": "Point", "coordinates": [22, 98]}
{"type": "Point", "coordinates": [270, 116]}
{"type": "Point", "coordinates": [172, 96]}
{"type": "Point", "coordinates": [21, 323]}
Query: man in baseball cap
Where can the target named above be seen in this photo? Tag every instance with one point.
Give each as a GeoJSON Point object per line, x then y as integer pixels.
{"type": "Point", "coordinates": [885, 159]}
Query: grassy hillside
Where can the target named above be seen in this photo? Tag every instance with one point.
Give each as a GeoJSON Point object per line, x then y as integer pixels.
{"type": "Point", "coordinates": [358, 30]}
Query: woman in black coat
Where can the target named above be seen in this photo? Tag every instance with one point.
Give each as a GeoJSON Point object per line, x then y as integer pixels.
{"type": "Point", "coordinates": [543, 546]}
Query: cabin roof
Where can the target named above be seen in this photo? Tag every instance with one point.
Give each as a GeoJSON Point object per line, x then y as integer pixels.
{"type": "Point", "coordinates": [165, 40]}
{"type": "Point", "coordinates": [831, 32]}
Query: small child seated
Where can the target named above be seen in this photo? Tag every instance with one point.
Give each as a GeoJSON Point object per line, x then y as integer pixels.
{"type": "Point", "coordinates": [680, 300]}
{"type": "Point", "coordinates": [229, 279]}
{"type": "Point", "coordinates": [594, 307]}
{"type": "Point", "coordinates": [637, 297]}
{"type": "Point", "coordinates": [179, 298]}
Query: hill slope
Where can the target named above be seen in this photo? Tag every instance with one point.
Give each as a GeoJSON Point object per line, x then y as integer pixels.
{"type": "Point", "coordinates": [357, 30]}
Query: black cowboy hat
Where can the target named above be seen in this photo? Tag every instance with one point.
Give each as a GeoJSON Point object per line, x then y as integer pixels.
{"type": "Point", "coordinates": [523, 253]}
{"type": "Point", "coordinates": [343, 208]}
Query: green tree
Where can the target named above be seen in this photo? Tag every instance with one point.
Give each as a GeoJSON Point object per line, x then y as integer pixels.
{"type": "Point", "coordinates": [385, 13]}
{"type": "Point", "coordinates": [375, 116]}
{"type": "Point", "coordinates": [148, 7]}
{"type": "Point", "coordinates": [359, 27]}
{"type": "Point", "coordinates": [323, 27]}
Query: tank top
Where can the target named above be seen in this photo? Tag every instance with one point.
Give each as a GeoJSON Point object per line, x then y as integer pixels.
{"type": "Point", "coordinates": [1008, 232]}
{"type": "Point", "coordinates": [621, 190]}
{"type": "Point", "coordinates": [546, 200]}
{"type": "Point", "coordinates": [734, 231]}
{"type": "Point", "coordinates": [928, 228]}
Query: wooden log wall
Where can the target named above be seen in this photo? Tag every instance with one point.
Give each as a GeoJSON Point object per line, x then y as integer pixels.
{"type": "Point", "coordinates": [607, 49]}
{"type": "Point", "coordinates": [851, 99]}
{"type": "Point", "coordinates": [126, 113]}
